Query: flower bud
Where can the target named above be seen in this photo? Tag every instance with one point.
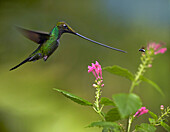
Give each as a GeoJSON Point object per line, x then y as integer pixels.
{"type": "Point", "coordinates": [94, 85]}
{"type": "Point", "coordinates": [99, 82]}
{"type": "Point", "coordinates": [162, 107]}
{"type": "Point", "coordinates": [150, 65]}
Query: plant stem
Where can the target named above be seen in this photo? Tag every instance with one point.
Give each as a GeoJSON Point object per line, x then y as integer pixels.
{"type": "Point", "coordinates": [129, 124]}
{"type": "Point", "coordinates": [145, 59]}
{"type": "Point", "coordinates": [98, 92]}
{"type": "Point", "coordinates": [162, 117]}
{"type": "Point", "coordinates": [141, 70]}
{"type": "Point", "coordinates": [96, 106]}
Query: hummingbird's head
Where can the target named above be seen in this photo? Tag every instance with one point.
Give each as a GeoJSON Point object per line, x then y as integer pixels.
{"type": "Point", "coordinates": [65, 28]}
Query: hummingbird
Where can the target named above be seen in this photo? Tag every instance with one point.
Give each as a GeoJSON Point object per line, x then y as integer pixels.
{"type": "Point", "coordinates": [49, 42]}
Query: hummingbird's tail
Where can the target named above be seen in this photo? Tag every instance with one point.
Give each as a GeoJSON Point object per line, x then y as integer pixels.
{"type": "Point", "coordinates": [20, 63]}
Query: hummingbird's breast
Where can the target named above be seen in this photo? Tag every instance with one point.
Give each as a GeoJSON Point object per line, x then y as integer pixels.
{"type": "Point", "coordinates": [51, 44]}
{"type": "Point", "coordinates": [49, 47]}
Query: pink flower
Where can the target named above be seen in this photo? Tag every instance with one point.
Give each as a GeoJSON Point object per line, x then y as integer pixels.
{"type": "Point", "coordinates": [141, 111]}
{"type": "Point", "coordinates": [96, 70]}
{"type": "Point", "coordinates": [91, 69]}
{"type": "Point", "coordinates": [162, 50]}
{"type": "Point", "coordinates": [157, 48]}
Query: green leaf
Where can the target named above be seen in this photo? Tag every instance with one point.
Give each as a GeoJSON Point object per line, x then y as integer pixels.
{"type": "Point", "coordinates": [113, 115]}
{"type": "Point", "coordinates": [153, 115]}
{"type": "Point", "coordinates": [106, 101]}
{"type": "Point", "coordinates": [111, 130]}
{"type": "Point", "coordinates": [117, 70]}
{"type": "Point", "coordinates": [103, 124]}
{"type": "Point", "coordinates": [74, 98]}
{"type": "Point", "coordinates": [145, 128]}
{"type": "Point", "coordinates": [105, 130]}
{"type": "Point", "coordinates": [153, 84]}
{"type": "Point", "coordinates": [106, 125]}
{"type": "Point", "coordinates": [152, 121]}
{"type": "Point", "coordinates": [127, 104]}
{"type": "Point", "coordinates": [166, 126]}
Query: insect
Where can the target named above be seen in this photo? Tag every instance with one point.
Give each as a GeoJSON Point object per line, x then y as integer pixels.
{"type": "Point", "coordinates": [142, 49]}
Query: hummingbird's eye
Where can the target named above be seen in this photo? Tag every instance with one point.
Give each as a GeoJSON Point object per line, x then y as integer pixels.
{"type": "Point", "coordinates": [65, 26]}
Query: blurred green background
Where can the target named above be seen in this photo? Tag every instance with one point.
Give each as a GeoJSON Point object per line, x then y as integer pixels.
{"type": "Point", "coordinates": [27, 101]}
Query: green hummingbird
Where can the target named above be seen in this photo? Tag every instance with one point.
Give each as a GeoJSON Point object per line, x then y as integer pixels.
{"type": "Point", "coordinates": [49, 42]}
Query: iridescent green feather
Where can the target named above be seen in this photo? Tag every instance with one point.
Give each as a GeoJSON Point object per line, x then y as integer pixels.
{"type": "Point", "coordinates": [47, 48]}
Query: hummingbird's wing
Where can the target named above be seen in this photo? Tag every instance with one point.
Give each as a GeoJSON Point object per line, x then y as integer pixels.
{"type": "Point", "coordinates": [36, 36]}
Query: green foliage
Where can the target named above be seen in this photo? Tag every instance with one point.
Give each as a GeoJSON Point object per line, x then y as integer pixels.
{"type": "Point", "coordinates": [106, 101]}
{"type": "Point", "coordinates": [153, 84]}
{"type": "Point", "coordinates": [124, 105]}
{"type": "Point", "coordinates": [152, 121]}
{"type": "Point", "coordinates": [165, 126]}
{"type": "Point", "coordinates": [117, 70]}
{"type": "Point", "coordinates": [107, 126]}
{"type": "Point", "coordinates": [113, 115]}
{"type": "Point", "coordinates": [153, 115]}
{"type": "Point", "coordinates": [161, 120]}
{"type": "Point", "coordinates": [145, 128]}
{"type": "Point", "coordinates": [110, 130]}
{"type": "Point", "coordinates": [127, 104]}
{"type": "Point", "coordinates": [74, 98]}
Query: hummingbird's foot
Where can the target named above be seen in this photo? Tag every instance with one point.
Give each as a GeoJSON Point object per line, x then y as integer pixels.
{"type": "Point", "coordinates": [45, 58]}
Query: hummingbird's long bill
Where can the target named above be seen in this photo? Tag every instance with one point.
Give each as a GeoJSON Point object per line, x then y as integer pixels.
{"type": "Point", "coordinates": [99, 43]}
